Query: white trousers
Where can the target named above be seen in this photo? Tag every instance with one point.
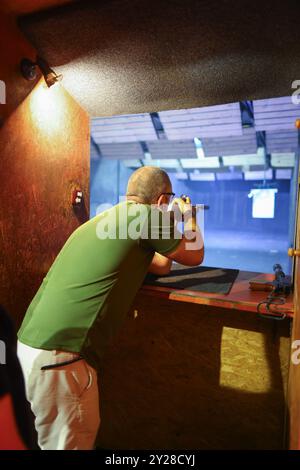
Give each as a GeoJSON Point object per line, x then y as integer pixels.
{"type": "Point", "coordinates": [64, 399]}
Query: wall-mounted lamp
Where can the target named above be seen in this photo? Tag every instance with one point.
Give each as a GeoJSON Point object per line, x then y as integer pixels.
{"type": "Point", "coordinates": [29, 71]}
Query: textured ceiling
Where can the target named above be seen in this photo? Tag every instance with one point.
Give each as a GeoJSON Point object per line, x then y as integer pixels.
{"type": "Point", "coordinates": [134, 56]}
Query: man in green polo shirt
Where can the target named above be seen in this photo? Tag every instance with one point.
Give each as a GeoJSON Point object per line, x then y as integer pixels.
{"type": "Point", "coordinates": [84, 298]}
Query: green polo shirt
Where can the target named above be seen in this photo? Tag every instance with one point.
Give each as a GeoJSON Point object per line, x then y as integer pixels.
{"type": "Point", "coordinates": [87, 292]}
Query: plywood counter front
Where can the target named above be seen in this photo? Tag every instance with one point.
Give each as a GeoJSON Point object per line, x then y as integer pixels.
{"type": "Point", "coordinates": [240, 297]}
{"type": "Point", "coordinates": [193, 375]}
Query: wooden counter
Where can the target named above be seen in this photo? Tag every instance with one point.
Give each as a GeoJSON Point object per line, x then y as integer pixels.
{"type": "Point", "coordinates": [240, 297]}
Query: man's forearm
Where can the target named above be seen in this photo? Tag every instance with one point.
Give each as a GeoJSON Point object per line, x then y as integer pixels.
{"type": "Point", "coordinates": [160, 265]}
{"type": "Point", "coordinates": [192, 231]}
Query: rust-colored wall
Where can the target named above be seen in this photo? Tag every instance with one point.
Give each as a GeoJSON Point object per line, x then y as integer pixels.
{"type": "Point", "coordinates": [44, 154]}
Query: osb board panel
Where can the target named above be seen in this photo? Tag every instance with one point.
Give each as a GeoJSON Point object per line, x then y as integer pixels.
{"type": "Point", "coordinates": [44, 155]}
{"type": "Point", "coordinates": [185, 376]}
{"type": "Point", "coordinates": [133, 56]}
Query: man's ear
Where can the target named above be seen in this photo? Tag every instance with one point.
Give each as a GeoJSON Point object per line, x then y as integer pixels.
{"type": "Point", "coordinates": [161, 200]}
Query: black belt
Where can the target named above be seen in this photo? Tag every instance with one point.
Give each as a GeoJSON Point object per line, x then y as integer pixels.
{"type": "Point", "coordinates": [59, 364]}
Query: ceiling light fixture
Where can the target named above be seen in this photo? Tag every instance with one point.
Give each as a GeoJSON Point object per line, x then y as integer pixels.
{"type": "Point", "coordinates": [29, 71]}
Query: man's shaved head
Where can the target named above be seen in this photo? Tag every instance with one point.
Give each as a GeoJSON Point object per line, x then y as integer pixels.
{"type": "Point", "coordinates": [148, 183]}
